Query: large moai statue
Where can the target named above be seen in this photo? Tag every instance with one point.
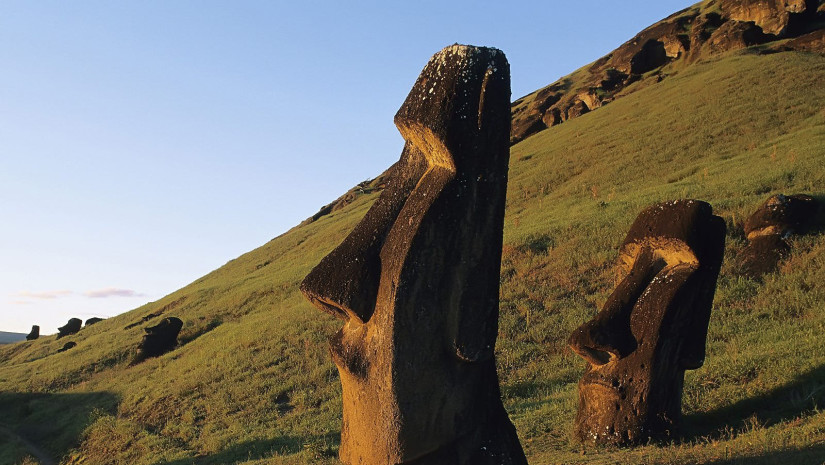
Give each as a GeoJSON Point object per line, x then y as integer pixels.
{"type": "Point", "coordinates": [34, 333]}
{"type": "Point", "coordinates": [417, 281]}
{"type": "Point", "coordinates": [653, 326]}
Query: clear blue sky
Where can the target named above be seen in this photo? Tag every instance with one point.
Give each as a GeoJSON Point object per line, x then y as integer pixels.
{"type": "Point", "coordinates": [144, 144]}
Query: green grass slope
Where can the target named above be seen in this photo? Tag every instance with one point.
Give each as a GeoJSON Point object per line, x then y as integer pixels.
{"type": "Point", "coordinates": [253, 383]}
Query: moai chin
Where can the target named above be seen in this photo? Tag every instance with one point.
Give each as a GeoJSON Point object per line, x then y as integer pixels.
{"type": "Point", "coordinates": [653, 326]}
{"type": "Point", "coordinates": [417, 280]}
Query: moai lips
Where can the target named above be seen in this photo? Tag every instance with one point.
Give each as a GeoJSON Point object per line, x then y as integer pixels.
{"type": "Point", "coordinates": [416, 282]}
{"type": "Point", "coordinates": [653, 326]}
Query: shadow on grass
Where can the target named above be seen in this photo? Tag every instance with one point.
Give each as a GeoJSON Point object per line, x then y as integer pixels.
{"type": "Point", "coordinates": [810, 455]}
{"type": "Point", "coordinates": [319, 446]}
{"type": "Point", "coordinates": [784, 403]}
{"type": "Point", "coordinates": [52, 423]}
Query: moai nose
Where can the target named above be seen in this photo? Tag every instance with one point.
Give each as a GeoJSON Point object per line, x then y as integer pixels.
{"type": "Point", "coordinates": [608, 337]}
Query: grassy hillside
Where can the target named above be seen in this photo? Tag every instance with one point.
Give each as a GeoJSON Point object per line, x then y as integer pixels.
{"type": "Point", "coordinates": [253, 382]}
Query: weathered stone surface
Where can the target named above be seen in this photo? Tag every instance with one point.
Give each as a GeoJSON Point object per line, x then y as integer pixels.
{"type": "Point", "coordinates": [72, 327]}
{"type": "Point", "coordinates": [653, 326]}
{"type": "Point", "coordinates": [651, 56]}
{"type": "Point", "coordinates": [34, 333]}
{"type": "Point", "coordinates": [67, 346]}
{"type": "Point", "coordinates": [772, 16]}
{"type": "Point", "coordinates": [781, 214]}
{"type": "Point", "coordinates": [767, 228]}
{"type": "Point", "coordinates": [160, 338]}
{"type": "Point", "coordinates": [93, 320]}
{"type": "Point", "coordinates": [734, 35]}
{"type": "Point", "coordinates": [416, 282]}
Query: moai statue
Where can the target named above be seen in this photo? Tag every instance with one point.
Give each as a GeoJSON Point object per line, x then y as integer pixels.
{"type": "Point", "coordinates": [67, 346]}
{"type": "Point", "coordinates": [767, 228]}
{"type": "Point", "coordinates": [160, 338]}
{"type": "Point", "coordinates": [417, 281]}
{"type": "Point", "coordinates": [72, 327]}
{"type": "Point", "coordinates": [93, 320]}
{"type": "Point", "coordinates": [34, 333]}
{"type": "Point", "coordinates": [653, 326]}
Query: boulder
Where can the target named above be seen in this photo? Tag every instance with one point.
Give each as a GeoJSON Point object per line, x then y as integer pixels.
{"type": "Point", "coordinates": [72, 327]}
{"type": "Point", "coordinates": [34, 333]}
{"type": "Point", "coordinates": [652, 328]}
{"type": "Point", "coordinates": [416, 283]}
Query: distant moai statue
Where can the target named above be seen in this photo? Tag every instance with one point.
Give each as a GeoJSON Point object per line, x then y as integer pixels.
{"type": "Point", "coordinates": [417, 281]}
{"type": "Point", "coordinates": [67, 346]}
{"type": "Point", "coordinates": [653, 326]}
{"type": "Point", "coordinates": [72, 327]}
{"type": "Point", "coordinates": [93, 320]}
{"type": "Point", "coordinates": [34, 333]}
{"type": "Point", "coordinates": [778, 218]}
{"type": "Point", "coordinates": [160, 338]}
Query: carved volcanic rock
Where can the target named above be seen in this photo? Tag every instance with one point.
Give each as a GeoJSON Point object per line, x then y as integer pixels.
{"type": "Point", "coordinates": [690, 35]}
{"type": "Point", "coordinates": [416, 282]}
{"type": "Point", "coordinates": [653, 326]}
{"type": "Point", "coordinates": [160, 338]}
{"type": "Point", "coordinates": [72, 327]}
{"type": "Point", "coordinates": [768, 227]}
{"type": "Point", "coordinates": [93, 320]}
{"type": "Point", "coordinates": [34, 333]}
{"type": "Point", "coordinates": [67, 346]}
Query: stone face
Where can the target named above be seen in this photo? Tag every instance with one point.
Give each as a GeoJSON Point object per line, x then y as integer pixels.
{"type": "Point", "coordinates": [416, 282]}
{"type": "Point", "coordinates": [93, 320]}
{"type": "Point", "coordinates": [653, 326]}
{"type": "Point", "coordinates": [67, 346]}
{"type": "Point", "coordinates": [767, 228]}
{"type": "Point", "coordinates": [160, 338]}
{"type": "Point", "coordinates": [34, 333]}
{"type": "Point", "coordinates": [72, 327]}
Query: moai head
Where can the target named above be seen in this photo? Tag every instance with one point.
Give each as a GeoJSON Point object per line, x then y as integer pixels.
{"type": "Point", "coordinates": [160, 338]}
{"type": "Point", "coordinates": [72, 327]}
{"type": "Point", "coordinates": [34, 333]}
{"type": "Point", "coordinates": [653, 326]}
{"type": "Point", "coordinates": [416, 282]}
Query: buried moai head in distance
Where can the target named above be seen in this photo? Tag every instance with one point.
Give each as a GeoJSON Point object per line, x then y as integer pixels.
{"type": "Point", "coordinates": [67, 346]}
{"type": "Point", "coordinates": [416, 282]}
{"type": "Point", "coordinates": [767, 228]}
{"type": "Point", "coordinates": [160, 338]}
{"type": "Point", "coordinates": [34, 333]}
{"type": "Point", "coordinates": [72, 327]}
{"type": "Point", "coordinates": [653, 326]}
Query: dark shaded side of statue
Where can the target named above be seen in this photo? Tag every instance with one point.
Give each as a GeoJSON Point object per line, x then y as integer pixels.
{"type": "Point", "coordinates": [417, 280]}
{"type": "Point", "coordinates": [653, 326]}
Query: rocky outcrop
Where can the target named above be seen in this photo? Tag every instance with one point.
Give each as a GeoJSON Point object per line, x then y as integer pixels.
{"type": "Point", "coordinates": [72, 327]}
{"type": "Point", "coordinates": [653, 326]}
{"type": "Point", "coordinates": [699, 32]}
{"type": "Point", "coordinates": [366, 187]}
{"type": "Point", "coordinates": [416, 283]}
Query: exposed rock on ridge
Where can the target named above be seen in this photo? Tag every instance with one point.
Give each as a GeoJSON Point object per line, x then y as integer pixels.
{"type": "Point", "coordinates": [706, 29]}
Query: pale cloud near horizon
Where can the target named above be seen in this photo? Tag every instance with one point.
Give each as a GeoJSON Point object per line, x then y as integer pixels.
{"type": "Point", "coordinates": [111, 292]}
{"type": "Point", "coordinates": [44, 294]}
